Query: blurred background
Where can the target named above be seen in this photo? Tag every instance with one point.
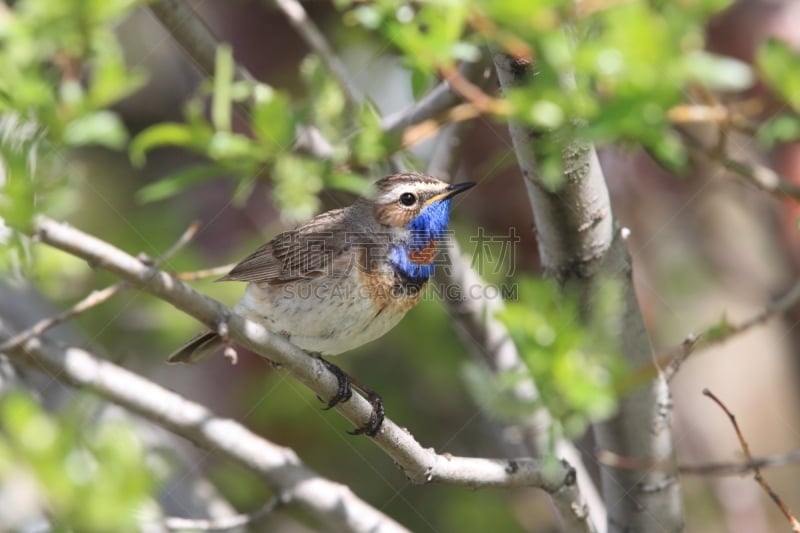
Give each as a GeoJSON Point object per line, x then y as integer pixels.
{"type": "Point", "coordinates": [704, 246]}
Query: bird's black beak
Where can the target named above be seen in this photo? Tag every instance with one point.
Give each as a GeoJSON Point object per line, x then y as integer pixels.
{"type": "Point", "coordinates": [456, 188]}
{"type": "Point", "coordinates": [449, 192]}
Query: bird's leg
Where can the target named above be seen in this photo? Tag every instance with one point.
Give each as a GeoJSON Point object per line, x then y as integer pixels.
{"type": "Point", "coordinates": [345, 391]}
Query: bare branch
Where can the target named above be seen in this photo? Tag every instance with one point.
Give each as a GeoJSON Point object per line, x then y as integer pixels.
{"type": "Point", "coordinates": [417, 133]}
{"type": "Point", "coordinates": [421, 465]}
{"type": "Point", "coordinates": [489, 343]}
{"type": "Point", "coordinates": [474, 94]}
{"type": "Point", "coordinates": [758, 477]}
{"type": "Point", "coordinates": [196, 39]}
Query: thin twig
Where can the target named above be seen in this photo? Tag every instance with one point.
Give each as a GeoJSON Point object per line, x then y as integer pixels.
{"type": "Point", "coordinates": [421, 465]}
{"type": "Point", "coordinates": [756, 470]}
{"type": "Point", "coordinates": [417, 133]}
{"type": "Point", "coordinates": [226, 523]}
{"type": "Point", "coordinates": [436, 101]}
{"type": "Point", "coordinates": [669, 361]}
{"type": "Point", "coordinates": [707, 469]}
{"type": "Point", "coordinates": [94, 299]}
{"type": "Point", "coordinates": [761, 176]}
{"type": "Point", "coordinates": [474, 94]}
{"type": "Point", "coordinates": [182, 241]}
{"type": "Point", "coordinates": [507, 40]}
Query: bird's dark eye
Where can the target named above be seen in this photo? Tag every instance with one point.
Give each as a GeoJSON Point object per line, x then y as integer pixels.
{"type": "Point", "coordinates": [408, 199]}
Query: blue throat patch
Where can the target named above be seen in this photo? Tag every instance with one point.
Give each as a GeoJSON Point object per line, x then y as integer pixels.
{"type": "Point", "coordinates": [429, 225]}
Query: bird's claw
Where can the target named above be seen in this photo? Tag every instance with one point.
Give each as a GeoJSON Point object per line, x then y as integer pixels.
{"type": "Point", "coordinates": [343, 391]}
{"type": "Point", "coordinates": [372, 427]}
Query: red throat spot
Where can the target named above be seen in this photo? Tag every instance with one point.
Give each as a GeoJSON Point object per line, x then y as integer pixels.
{"type": "Point", "coordinates": [423, 256]}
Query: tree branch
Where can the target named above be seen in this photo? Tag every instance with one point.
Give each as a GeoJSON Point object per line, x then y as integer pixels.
{"type": "Point", "coordinates": [577, 245]}
{"type": "Point", "coordinates": [280, 467]}
{"type": "Point", "coordinates": [95, 298]}
{"type": "Point", "coordinates": [193, 35]}
{"type": "Point", "coordinates": [421, 465]}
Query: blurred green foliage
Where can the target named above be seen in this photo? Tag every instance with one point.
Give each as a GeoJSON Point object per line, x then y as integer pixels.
{"type": "Point", "coordinates": [573, 356]}
{"type": "Point", "coordinates": [274, 118]}
{"type": "Point", "coordinates": [62, 70]}
{"type": "Point", "coordinates": [88, 477]}
{"type": "Point", "coordinates": [607, 76]}
{"type": "Point", "coordinates": [779, 66]}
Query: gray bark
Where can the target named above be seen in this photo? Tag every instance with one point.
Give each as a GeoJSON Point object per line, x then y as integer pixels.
{"type": "Point", "coordinates": [579, 245]}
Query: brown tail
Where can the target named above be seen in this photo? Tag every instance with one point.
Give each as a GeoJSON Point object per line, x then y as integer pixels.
{"type": "Point", "coordinates": [199, 347]}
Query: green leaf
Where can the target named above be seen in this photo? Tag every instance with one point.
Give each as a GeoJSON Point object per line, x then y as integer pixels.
{"type": "Point", "coordinates": [273, 120]}
{"type": "Point", "coordinates": [173, 183]}
{"type": "Point", "coordinates": [780, 67]}
{"type": "Point", "coordinates": [223, 78]}
{"type": "Point", "coordinates": [227, 145]}
{"type": "Point", "coordinates": [103, 128]}
{"type": "Point", "coordinates": [420, 82]}
{"type": "Point", "coordinates": [718, 72]}
{"type": "Point", "coordinates": [297, 181]}
{"type": "Point", "coordinates": [88, 477]}
{"type": "Point", "coordinates": [348, 181]}
{"type": "Point", "coordinates": [370, 144]}
{"type": "Point", "coordinates": [167, 134]}
{"type": "Point", "coordinates": [576, 364]}
{"type": "Point", "coordinates": [243, 190]}
{"type": "Point", "coordinates": [670, 152]}
{"type": "Point", "coordinates": [783, 128]}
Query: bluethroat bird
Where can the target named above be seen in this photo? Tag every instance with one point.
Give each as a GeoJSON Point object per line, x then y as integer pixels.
{"type": "Point", "coordinates": [345, 277]}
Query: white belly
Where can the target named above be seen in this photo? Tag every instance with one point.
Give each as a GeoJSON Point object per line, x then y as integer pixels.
{"type": "Point", "coordinates": [322, 315]}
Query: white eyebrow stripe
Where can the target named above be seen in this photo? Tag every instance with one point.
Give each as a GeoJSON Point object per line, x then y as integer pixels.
{"type": "Point", "coordinates": [418, 188]}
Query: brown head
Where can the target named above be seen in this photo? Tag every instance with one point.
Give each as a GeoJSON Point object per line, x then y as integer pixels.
{"type": "Point", "coordinates": [400, 198]}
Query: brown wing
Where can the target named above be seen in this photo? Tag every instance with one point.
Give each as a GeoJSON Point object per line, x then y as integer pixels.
{"type": "Point", "coordinates": [306, 252]}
